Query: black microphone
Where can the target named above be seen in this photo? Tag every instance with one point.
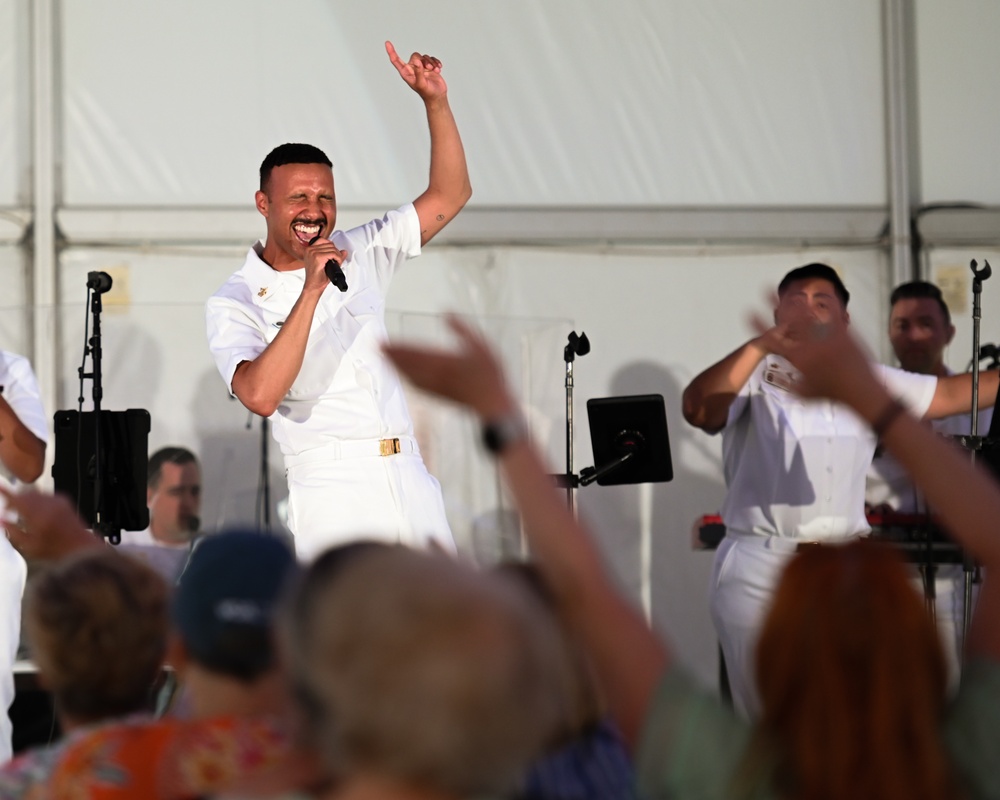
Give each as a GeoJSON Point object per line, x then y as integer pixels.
{"type": "Point", "coordinates": [333, 271]}
{"type": "Point", "coordinates": [99, 282]}
{"type": "Point", "coordinates": [336, 275]}
{"type": "Point", "coordinates": [989, 351]}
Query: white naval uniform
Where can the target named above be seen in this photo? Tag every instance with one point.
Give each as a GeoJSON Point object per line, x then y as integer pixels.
{"type": "Point", "coordinates": [795, 471]}
{"type": "Point", "coordinates": [346, 397]}
{"type": "Point", "coordinates": [889, 484]}
{"type": "Point", "coordinates": [20, 390]}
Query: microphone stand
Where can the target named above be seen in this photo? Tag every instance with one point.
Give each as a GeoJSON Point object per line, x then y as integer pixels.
{"type": "Point", "coordinates": [98, 283]}
{"type": "Point", "coordinates": [264, 507]}
{"type": "Point", "coordinates": [262, 514]}
{"type": "Point", "coordinates": [577, 345]}
{"type": "Point", "coordinates": [975, 440]}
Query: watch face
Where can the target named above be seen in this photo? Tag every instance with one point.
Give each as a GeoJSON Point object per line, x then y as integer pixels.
{"type": "Point", "coordinates": [498, 434]}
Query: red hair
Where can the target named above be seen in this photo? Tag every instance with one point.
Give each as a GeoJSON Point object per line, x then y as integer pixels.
{"type": "Point", "coordinates": [852, 681]}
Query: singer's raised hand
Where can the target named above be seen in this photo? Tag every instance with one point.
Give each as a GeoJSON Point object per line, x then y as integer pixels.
{"type": "Point", "coordinates": [422, 73]}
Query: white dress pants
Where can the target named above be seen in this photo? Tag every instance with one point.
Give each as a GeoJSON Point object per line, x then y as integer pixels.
{"type": "Point", "coordinates": [388, 498]}
{"type": "Point", "coordinates": [13, 574]}
{"type": "Point", "coordinates": [745, 574]}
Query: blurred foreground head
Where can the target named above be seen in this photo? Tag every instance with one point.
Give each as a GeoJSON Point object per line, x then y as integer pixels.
{"type": "Point", "coordinates": [852, 678]}
{"type": "Point", "coordinates": [97, 627]}
{"type": "Point", "coordinates": [417, 670]}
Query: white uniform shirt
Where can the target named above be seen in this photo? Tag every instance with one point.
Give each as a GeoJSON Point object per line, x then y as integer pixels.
{"type": "Point", "coordinates": [796, 468]}
{"type": "Point", "coordinates": [889, 484]}
{"type": "Point", "coordinates": [346, 389]}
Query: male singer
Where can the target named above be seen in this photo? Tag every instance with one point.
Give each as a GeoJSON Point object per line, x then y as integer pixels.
{"type": "Point", "coordinates": [294, 347]}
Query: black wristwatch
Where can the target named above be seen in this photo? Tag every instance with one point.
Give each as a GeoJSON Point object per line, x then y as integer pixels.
{"type": "Point", "coordinates": [501, 432]}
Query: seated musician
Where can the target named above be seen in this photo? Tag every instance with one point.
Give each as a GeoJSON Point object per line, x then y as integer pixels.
{"type": "Point", "coordinates": [795, 468]}
{"type": "Point", "coordinates": [920, 329]}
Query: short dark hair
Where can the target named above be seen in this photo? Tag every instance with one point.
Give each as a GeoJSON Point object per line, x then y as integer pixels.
{"type": "Point", "coordinates": [919, 290]}
{"type": "Point", "coordinates": [815, 270]}
{"type": "Point", "coordinates": [290, 153]}
{"type": "Point", "coordinates": [166, 455]}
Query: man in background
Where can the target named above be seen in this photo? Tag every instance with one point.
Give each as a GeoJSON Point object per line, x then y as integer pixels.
{"type": "Point", "coordinates": [173, 494]}
{"type": "Point", "coordinates": [920, 330]}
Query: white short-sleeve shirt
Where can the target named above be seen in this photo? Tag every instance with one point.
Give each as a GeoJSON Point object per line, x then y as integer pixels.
{"type": "Point", "coordinates": [796, 468]}
{"type": "Point", "coordinates": [346, 389]}
{"type": "Point", "coordinates": [889, 484]}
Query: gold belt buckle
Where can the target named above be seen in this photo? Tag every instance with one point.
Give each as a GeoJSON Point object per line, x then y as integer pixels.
{"type": "Point", "coordinates": [389, 447]}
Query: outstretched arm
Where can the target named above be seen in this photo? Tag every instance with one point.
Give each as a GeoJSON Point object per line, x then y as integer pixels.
{"type": "Point", "coordinates": [448, 188]}
{"type": "Point", "coordinates": [629, 657]}
{"type": "Point", "coordinates": [953, 394]}
{"type": "Point", "coordinates": [966, 499]}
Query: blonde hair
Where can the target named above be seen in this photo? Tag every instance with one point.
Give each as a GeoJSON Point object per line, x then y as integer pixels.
{"type": "Point", "coordinates": [97, 625]}
{"type": "Point", "coordinates": [420, 670]}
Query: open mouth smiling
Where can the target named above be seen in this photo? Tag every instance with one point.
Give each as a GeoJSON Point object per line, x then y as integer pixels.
{"type": "Point", "coordinates": [306, 232]}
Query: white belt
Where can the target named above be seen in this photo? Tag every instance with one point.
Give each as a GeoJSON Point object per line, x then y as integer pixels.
{"type": "Point", "coordinates": [355, 448]}
{"type": "Point", "coordinates": [785, 544]}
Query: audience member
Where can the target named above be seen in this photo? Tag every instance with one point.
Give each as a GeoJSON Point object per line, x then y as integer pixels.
{"type": "Point", "coordinates": [586, 759]}
{"type": "Point", "coordinates": [221, 647]}
{"type": "Point", "coordinates": [97, 628]}
{"type": "Point", "coordinates": [813, 740]}
{"type": "Point", "coordinates": [444, 683]}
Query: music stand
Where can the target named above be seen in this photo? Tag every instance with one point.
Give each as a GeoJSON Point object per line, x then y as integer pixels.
{"type": "Point", "coordinates": [630, 441]}
{"type": "Point", "coordinates": [124, 453]}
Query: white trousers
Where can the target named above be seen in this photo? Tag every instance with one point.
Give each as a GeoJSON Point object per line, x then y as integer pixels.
{"type": "Point", "coordinates": [745, 576]}
{"type": "Point", "coordinates": [388, 498]}
{"type": "Point", "coordinates": [13, 574]}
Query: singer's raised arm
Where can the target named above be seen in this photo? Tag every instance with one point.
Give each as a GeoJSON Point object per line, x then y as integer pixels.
{"type": "Point", "coordinates": [448, 188]}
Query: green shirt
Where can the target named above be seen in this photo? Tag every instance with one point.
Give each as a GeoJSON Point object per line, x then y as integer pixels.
{"type": "Point", "coordinates": [691, 744]}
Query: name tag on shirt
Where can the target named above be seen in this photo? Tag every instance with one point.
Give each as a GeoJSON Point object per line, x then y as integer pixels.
{"type": "Point", "coordinates": [781, 377]}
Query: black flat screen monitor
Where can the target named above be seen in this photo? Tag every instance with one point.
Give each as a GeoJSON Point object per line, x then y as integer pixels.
{"type": "Point", "coordinates": [636, 423]}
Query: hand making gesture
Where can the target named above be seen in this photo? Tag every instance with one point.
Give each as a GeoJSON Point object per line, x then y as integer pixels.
{"type": "Point", "coordinates": [422, 73]}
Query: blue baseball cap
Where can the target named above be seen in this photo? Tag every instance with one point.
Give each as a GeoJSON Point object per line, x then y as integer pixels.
{"type": "Point", "coordinates": [225, 600]}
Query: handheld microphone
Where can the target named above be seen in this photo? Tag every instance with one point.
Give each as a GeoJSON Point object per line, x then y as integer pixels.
{"type": "Point", "coordinates": [333, 271]}
{"type": "Point", "coordinates": [336, 275]}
